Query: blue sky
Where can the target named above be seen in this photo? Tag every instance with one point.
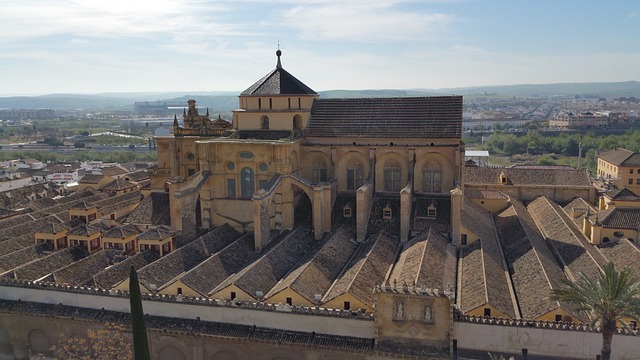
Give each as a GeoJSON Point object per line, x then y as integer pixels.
{"type": "Point", "coordinates": [89, 46]}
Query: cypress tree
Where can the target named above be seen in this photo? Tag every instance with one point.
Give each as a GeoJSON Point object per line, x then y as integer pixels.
{"type": "Point", "coordinates": [140, 342]}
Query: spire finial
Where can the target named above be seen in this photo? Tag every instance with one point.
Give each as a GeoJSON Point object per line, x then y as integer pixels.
{"type": "Point", "coordinates": [278, 54]}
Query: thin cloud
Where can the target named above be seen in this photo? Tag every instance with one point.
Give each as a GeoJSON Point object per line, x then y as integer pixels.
{"type": "Point", "coordinates": [365, 21]}
{"type": "Point", "coordinates": [21, 20]}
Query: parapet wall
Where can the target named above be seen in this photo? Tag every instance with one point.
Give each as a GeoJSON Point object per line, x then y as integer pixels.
{"type": "Point", "coordinates": [555, 340]}
{"type": "Point", "coordinates": [275, 316]}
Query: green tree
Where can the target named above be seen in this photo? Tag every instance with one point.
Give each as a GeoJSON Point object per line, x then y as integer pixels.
{"type": "Point", "coordinates": [611, 299]}
{"type": "Point", "coordinates": [140, 342]}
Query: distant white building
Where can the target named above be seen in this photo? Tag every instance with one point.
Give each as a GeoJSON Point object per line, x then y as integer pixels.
{"type": "Point", "coordinates": [479, 157]}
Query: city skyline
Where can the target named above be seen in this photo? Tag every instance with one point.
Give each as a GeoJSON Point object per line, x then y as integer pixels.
{"type": "Point", "coordinates": [129, 46]}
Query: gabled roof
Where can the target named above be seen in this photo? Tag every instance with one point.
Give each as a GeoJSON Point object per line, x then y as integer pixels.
{"type": "Point", "coordinates": [536, 176]}
{"type": "Point", "coordinates": [52, 228]}
{"type": "Point", "coordinates": [483, 278]}
{"type": "Point", "coordinates": [265, 272]}
{"type": "Point", "coordinates": [114, 170]}
{"type": "Point", "coordinates": [81, 272]}
{"type": "Point", "coordinates": [570, 245]}
{"type": "Point", "coordinates": [623, 194]}
{"type": "Point", "coordinates": [402, 117]}
{"type": "Point", "coordinates": [153, 210]}
{"type": "Point", "coordinates": [112, 276]}
{"type": "Point", "coordinates": [318, 271]}
{"type": "Point", "coordinates": [426, 261]}
{"type": "Point", "coordinates": [367, 268]}
{"type": "Point", "coordinates": [619, 217]}
{"type": "Point", "coordinates": [218, 267]}
{"type": "Point", "coordinates": [621, 157]}
{"type": "Point", "coordinates": [118, 184]}
{"type": "Point", "coordinates": [91, 179]}
{"type": "Point", "coordinates": [279, 82]}
{"type": "Point", "coordinates": [84, 230]}
{"type": "Point", "coordinates": [534, 271]}
{"type": "Point", "coordinates": [156, 233]}
{"type": "Point", "coordinates": [121, 232]}
{"type": "Point", "coordinates": [187, 257]}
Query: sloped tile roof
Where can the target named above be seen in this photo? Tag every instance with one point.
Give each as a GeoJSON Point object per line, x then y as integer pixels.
{"type": "Point", "coordinates": [121, 232]}
{"type": "Point", "coordinates": [621, 157]}
{"type": "Point", "coordinates": [118, 184]}
{"type": "Point", "coordinates": [367, 268]}
{"type": "Point", "coordinates": [23, 256]}
{"type": "Point", "coordinates": [9, 245]}
{"type": "Point", "coordinates": [579, 204]}
{"type": "Point", "coordinates": [623, 253]}
{"type": "Point", "coordinates": [85, 230]}
{"type": "Point", "coordinates": [565, 176]}
{"type": "Point", "coordinates": [210, 273]}
{"type": "Point", "coordinates": [114, 170]}
{"type": "Point", "coordinates": [623, 194]}
{"type": "Point", "coordinates": [422, 117]}
{"type": "Point", "coordinates": [139, 175]}
{"type": "Point", "coordinates": [532, 267]}
{"type": "Point", "coordinates": [570, 245]}
{"type": "Point", "coordinates": [112, 276]}
{"type": "Point", "coordinates": [266, 271]}
{"type": "Point", "coordinates": [187, 257]}
{"type": "Point", "coordinates": [81, 272]}
{"type": "Point", "coordinates": [279, 82]}
{"type": "Point", "coordinates": [91, 179]}
{"type": "Point", "coordinates": [473, 193]}
{"type": "Point", "coordinates": [423, 262]}
{"type": "Point", "coordinates": [316, 273]}
{"type": "Point", "coordinates": [153, 210]}
{"type": "Point", "coordinates": [483, 276]}
{"type": "Point", "coordinates": [52, 228]}
{"type": "Point", "coordinates": [155, 233]}
{"type": "Point", "coordinates": [39, 268]}
{"type": "Point", "coordinates": [620, 217]}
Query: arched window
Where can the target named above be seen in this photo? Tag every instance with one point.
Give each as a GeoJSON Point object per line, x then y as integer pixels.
{"type": "Point", "coordinates": [265, 122]}
{"type": "Point", "coordinates": [297, 122]}
{"type": "Point", "coordinates": [319, 171]}
{"type": "Point", "coordinates": [355, 174]}
{"type": "Point", "coordinates": [246, 182]}
{"type": "Point", "coordinates": [392, 175]}
{"type": "Point", "coordinates": [432, 177]}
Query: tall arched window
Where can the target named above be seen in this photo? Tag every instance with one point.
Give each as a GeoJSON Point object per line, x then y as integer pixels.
{"type": "Point", "coordinates": [432, 177]}
{"type": "Point", "coordinates": [265, 122]}
{"type": "Point", "coordinates": [297, 122]}
{"type": "Point", "coordinates": [319, 171]}
{"type": "Point", "coordinates": [392, 175]}
{"type": "Point", "coordinates": [355, 174]}
{"type": "Point", "coordinates": [246, 182]}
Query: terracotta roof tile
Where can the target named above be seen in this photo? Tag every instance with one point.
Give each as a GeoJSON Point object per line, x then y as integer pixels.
{"type": "Point", "coordinates": [81, 272]}
{"type": "Point", "coordinates": [423, 262]}
{"type": "Point", "coordinates": [532, 267]}
{"type": "Point", "coordinates": [112, 276]}
{"type": "Point", "coordinates": [566, 177]}
{"type": "Point", "coordinates": [218, 267]}
{"type": "Point", "coordinates": [621, 157]}
{"type": "Point", "coordinates": [367, 268]}
{"type": "Point", "coordinates": [483, 277]}
{"type": "Point", "coordinates": [42, 267]}
{"type": "Point", "coordinates": [316, 273]}
{"type": "Point", "coordinates": [187, 257]}
{"type": "Point", "coordinates": [423, 117]}
{"type": "Point", "coordinates": [153, 210]}
{"type": "Point", "coordinates": [264, 273]}
{"type": "Point", "coordinates": [570, 245]}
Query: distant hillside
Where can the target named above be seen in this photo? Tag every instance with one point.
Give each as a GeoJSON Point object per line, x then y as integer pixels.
{"type": "Point", "coordinates": [219, 101]}
{"type": "Point", "coordinates": [607, 90]}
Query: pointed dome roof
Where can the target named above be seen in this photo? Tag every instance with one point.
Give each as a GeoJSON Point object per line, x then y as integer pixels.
{"type": "Point", "coordinates": [279, 82]}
